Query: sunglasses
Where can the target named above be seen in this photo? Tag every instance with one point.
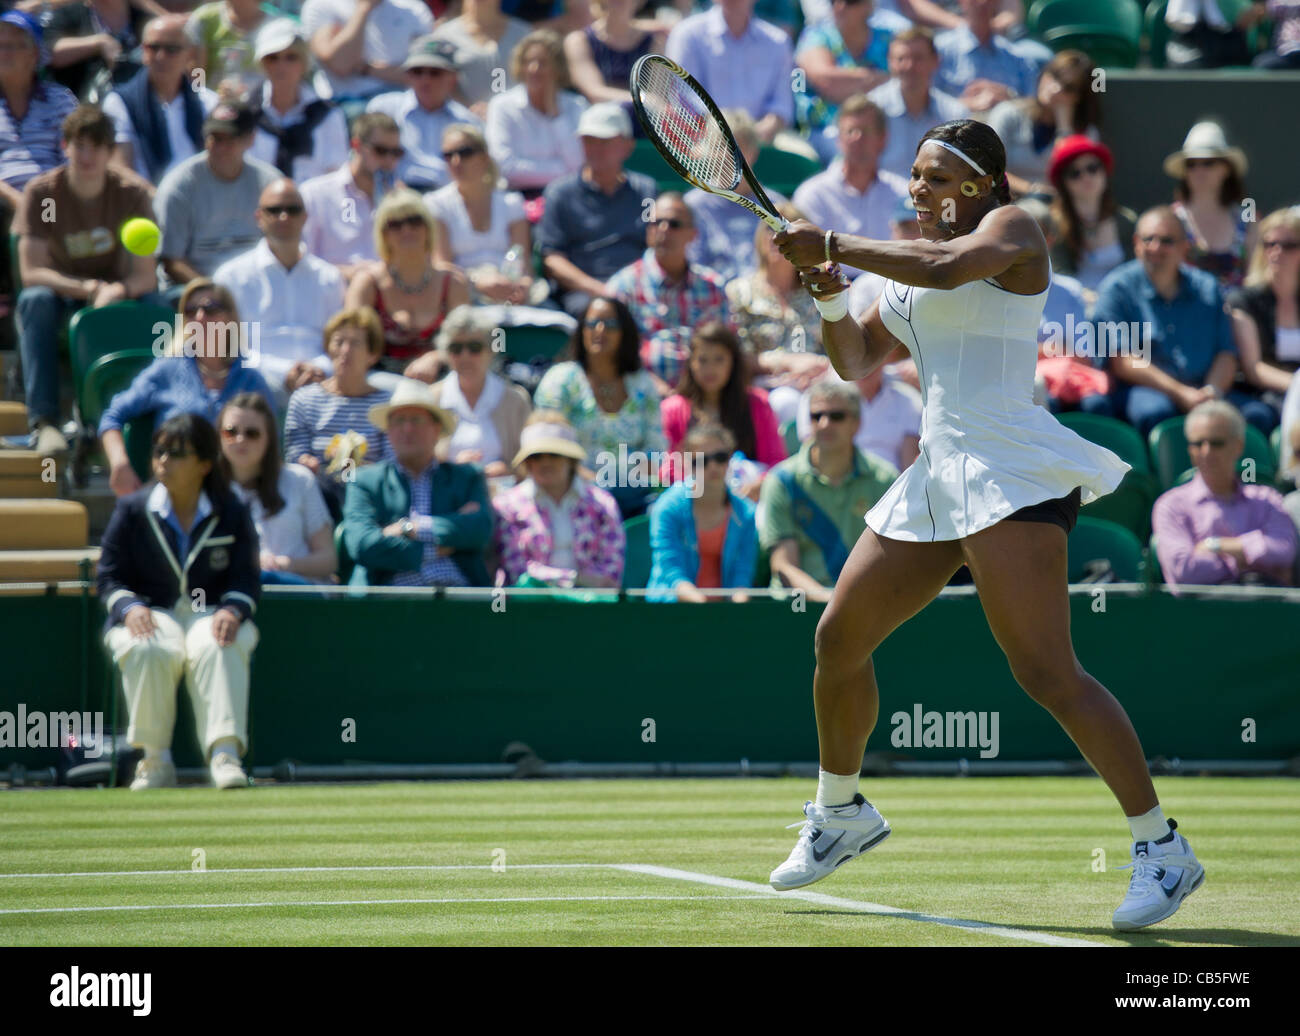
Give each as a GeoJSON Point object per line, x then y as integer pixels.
{"type": "Point", "coordinates": [163, 48]}
{"type": "Point", "coordinates": [1286, 246]}
{"type": "Point", "coordinates": [284, 55]}
{"type": "Point", "coordinates": [283, 210]}
{"type": "Point", "coordinates": [833, 415]}
{"type": "Point", "coordinates": [1079, 171]}
{"type": "Point", "coordinates": [387, 152]}
{"type": "Point", "coordinates": [404, 221]}
{"type": "Point", "coordinates": [673, 224]}
{"type": "Point", "coordinates": [160, 452]}
{"type": "Point", "coordinates": [1200, 163]}
{"type": "Point", "coordinates": [1214, 444]}
{"type": "Point", "coordinates": [1158, 239]}
{"type": "Point", "coordinates": [207, 305]}
{"type": "Point", "coordinates": [456, 348]}
{"type": "Point", "coordinates": [717, 457]}
{"type": "Point", "coordinates": [230, 433]}
{"type": "Point", "coordinates": [595, 322]}
{"type": "Point", "coordinates": [427, 71]}
{"type": "Point", "coordinates": [461, 152]}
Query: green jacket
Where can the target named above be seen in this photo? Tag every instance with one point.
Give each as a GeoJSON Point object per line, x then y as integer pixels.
{"type": "Point", "coordinates": [381, 495]}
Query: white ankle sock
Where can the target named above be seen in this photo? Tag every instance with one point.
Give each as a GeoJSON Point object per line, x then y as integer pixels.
{"type": "Point", "coordinates": [834, 789]}
{"type": "Point", "coordinates": [228, 746]}
{"type": "Point", "coordinates": [163, 755]}
{"type": "Point", "coordinates": [1150, 826]}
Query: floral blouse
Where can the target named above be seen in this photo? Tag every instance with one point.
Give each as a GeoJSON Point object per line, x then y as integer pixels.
{"type": "Point", "coordinates": [636, 426]}
{"type": "Point", "coordinates": [764, 322]}
{"type": "Point", "coordinates": [523, 536]}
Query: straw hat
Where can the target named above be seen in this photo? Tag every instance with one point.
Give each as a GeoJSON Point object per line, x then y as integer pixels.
{"type": "Point", "coordinates": [548, 437]}
{"type": "Point", "coordinates": [411, 392]}
{"type": "Point", "coordinates": [1205, 140]}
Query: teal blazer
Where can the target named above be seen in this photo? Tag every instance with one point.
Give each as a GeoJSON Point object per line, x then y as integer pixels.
{"type": "Point", "coordinates": [381, 495]}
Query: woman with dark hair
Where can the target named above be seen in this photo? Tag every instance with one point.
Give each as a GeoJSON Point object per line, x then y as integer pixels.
{"type": "Point", "coordinates": [1096, 234]}
{"type": "Point", "coordinates": [1210, 177]}
{"type": "Point", "coordinates": [1064, 104]}
{"type": "Point", "coordinates": [702, 535]}
{"type": "Point", "coordinates": [715, 388]}
{"type": "Point", "coordinates": [178, 575]}
{"type": "Point", "coordinates": [997, 487]}
{"type": "Point", "coordinates": [294, 529]}
{"type": "Point", "coordinates": [608, 397]}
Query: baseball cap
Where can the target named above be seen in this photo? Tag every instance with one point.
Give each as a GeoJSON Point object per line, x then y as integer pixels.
{"type": "Point", "coordinates": [605, 120]}
{"type": "Point", "coordinates": [427, 52]}
{"type": "Point", "coordinates": [230, 117]}
{"type": "Point", "coordinates": [29, 25]}
{"type": "Point", "coordinates": [275, 36]}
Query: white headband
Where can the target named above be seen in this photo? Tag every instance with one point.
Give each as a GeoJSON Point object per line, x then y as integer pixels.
{"type": "Point", "coordinates": [959, 153]}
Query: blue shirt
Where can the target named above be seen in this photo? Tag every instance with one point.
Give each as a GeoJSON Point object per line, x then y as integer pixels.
{"type": "Point", "coordinates": [1186, 334]}
{"type": "Point", "coordinates": [33, 144]}
{"type": "Point", "coordinates": [962, 59]}
{"type": "Point", "coordinates": [904, 131]}
{"type": "Point", "coordinates": [597, 232]}
{"type": "Point", "coordinates": [751, 71]}
{"type": "Point", "coordinates": [172, 385]}
{"type": "Point", "coordinates": [422, 166]}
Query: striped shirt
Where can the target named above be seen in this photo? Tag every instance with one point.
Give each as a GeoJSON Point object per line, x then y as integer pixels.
{"type": "Point", "coordinates": [33, 145]}
{"type": "Point", "coordinates": [668, 311]}
{"type": "Point", "coordinates": [434, 570]}
{"type": "Point", "coordinates": [316, 415]}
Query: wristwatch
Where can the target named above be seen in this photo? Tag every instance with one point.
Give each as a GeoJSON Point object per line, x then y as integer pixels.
{"type": "Point", "coordinates": [408, 528]}
{"type": "Point", "coordinates": [1213, 543]}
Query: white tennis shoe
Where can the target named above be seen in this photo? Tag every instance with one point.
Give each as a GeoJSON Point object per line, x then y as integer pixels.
{"type": "Point", "coordinates": [828, 838]}
{"type": "Point", "coordinates": [1164, 874]}
{"type": "Point", "coordinates": [226, 772]}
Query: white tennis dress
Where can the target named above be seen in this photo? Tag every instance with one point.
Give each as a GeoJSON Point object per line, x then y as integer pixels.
{"type": "Point", "coordinates": [987, 449]}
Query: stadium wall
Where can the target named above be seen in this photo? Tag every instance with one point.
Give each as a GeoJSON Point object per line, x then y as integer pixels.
{"type": "Point", "coordinates": [1146, 115]}
{"type": "Point", "coordinates": [418, 680]}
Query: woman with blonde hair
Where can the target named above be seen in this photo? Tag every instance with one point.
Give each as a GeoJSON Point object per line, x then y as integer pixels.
{"type": "Point", "coordinates": [200, 366]}
{"type": "Point", "coordinates": [477, 224]}
{"type": "Point", "coordinates": [1266, 319]}
{"type": "Point", "coordinates": [410, 290]}
{"type": "Point", "coordinates": [532, 128]}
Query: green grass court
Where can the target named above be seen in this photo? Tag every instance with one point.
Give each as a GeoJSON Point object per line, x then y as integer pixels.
{"type": "Point", "coordinates": [413, 864]}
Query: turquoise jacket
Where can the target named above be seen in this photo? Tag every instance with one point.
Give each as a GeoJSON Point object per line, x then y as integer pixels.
{"type": "Point", "coordinates": [675, 551]}
{"type": "Point", "coordinates": [381, 495]}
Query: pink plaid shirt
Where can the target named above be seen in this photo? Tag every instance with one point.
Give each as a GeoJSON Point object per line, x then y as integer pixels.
{"type": "Point", "coordinates": [523, 537]}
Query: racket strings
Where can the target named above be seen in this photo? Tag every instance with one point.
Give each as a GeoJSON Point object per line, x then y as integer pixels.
{"type": "Point", "coordinates": [687, 128]}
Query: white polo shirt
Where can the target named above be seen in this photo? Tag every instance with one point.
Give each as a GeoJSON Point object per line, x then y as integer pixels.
{"type": "Point", "coordinates": [340, 219]}
{"type": "Point", "coordinates": [291, 307]}
{"type": "Point", "coordinates": [830, 202]}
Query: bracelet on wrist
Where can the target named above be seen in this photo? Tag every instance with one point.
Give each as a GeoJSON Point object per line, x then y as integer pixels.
{"type": "Point", "coordinates": [828, 246]}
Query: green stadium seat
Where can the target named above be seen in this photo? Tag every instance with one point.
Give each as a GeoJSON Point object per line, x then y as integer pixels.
{"type": "Point", "coordinates": [1157, 32]}
{"type": "Point", "coordinates": [1128, 505]}
{"type": "Point", "coordinates": [1108, 31]}
{"type": "Point", "coordinates": [527, 342]}
{"type": "Point", "coordinates": [118, 328]}
{"type": "Point", "coordinates": [646, 159]}
{"type": "Point", "coordinates": [1155, 575]}
{"type": "Point", "coordinates": [108, 375]}
{"type": "Point", "coordinates": [137, 436]}
{"type": "Point", "coordinates": [1168, 444]}
{"type": "Point", "coordinates": [783, 171]}
{"type": "Point", "coordinates": [790, 435]}
{"type": "Point", "coordinates": [1120, 437]}
{"type": "Point", "coordinates": [636, 569]}
{"type": "Point", "coordinates": [1275, 444]}
{"type": "Point", "coordinates": [1094, 539]}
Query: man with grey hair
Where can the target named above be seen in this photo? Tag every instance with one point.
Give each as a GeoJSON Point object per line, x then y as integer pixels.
{"type": "Point", "coordinates": [1217, 528]}
{"type": "Point", "coordinates": [812, 505]}
{"type": "Point", "coordinates": [726, 230]}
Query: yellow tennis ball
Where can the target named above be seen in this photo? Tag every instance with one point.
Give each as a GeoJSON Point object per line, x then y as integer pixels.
{"type": "Point", "coordinates": [140, 236]}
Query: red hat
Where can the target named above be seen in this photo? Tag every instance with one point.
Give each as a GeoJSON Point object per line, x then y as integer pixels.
{"type": "Point", "coordinates": [1067, 149]}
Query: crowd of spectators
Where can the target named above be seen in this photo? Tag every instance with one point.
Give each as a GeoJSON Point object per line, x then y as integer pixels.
{"type": "Point", "coordinates": [378, 190]}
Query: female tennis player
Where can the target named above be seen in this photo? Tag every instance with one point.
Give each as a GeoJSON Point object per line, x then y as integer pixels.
{"type": "Point", "coordinates": [997, 487]}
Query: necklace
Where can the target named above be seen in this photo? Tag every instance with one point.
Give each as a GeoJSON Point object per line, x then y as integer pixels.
{"type": "Point", "coordinates": [411, 289]}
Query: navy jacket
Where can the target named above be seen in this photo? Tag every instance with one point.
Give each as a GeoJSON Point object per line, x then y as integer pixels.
{"type": "Point", "coordinates": [138, 562]}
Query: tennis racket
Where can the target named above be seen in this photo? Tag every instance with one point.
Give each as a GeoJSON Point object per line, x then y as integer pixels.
{"type": "Point", "coordinates": [688, 129]}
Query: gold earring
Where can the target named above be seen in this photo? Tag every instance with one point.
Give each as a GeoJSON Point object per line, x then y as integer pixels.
{"type": "Point", "coordinates": [970, 188]}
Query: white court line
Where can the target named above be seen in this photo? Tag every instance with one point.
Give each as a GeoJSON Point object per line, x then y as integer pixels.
{"type": "Point", "coordinates": [364, 902]}
{"type": "Point", "coordinates": [982, 927]}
